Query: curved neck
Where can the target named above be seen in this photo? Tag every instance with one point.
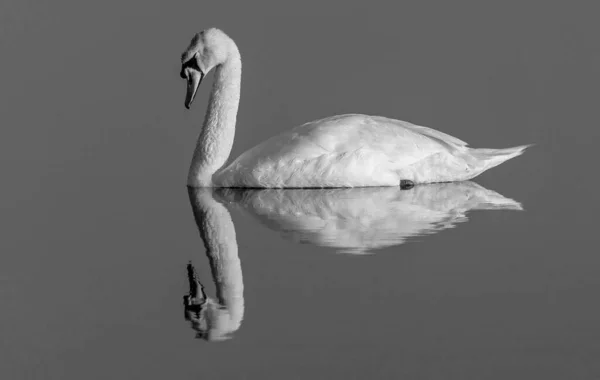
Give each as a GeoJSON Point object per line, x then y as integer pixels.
{"type": "Point", "coordinates": [216, 137]}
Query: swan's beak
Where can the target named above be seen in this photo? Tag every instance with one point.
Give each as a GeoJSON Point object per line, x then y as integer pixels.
{"type": "Point", "coordinates": [194, 78]}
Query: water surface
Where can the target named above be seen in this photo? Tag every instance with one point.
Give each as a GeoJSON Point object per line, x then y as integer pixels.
{"type": "Point", "coordinates": [448, 281]}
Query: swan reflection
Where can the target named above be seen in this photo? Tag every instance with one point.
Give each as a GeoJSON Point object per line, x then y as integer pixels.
{"type": "Point", "coordinates": [215, 320]}
{"type": "Point", "coordinates": [355, 220]}
{"type": "Point", "coordinates": [359, 220]}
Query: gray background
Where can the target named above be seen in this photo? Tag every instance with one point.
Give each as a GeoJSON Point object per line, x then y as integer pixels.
{"type": "Point", "coordinates": [96, 226]}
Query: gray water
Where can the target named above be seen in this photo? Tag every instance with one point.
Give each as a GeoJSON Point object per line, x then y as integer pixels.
{"type": "Point", "coordinates": [98, 227]}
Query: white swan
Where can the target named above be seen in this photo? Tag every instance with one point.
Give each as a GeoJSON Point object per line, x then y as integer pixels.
{"type": "Point", "coordinates": [339, 151]}
{"type": "Point", "coordinates": [360, 220]}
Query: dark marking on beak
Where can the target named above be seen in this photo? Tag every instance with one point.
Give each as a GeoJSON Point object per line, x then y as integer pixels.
{"type": "Point", "coordinates": [192, 72]}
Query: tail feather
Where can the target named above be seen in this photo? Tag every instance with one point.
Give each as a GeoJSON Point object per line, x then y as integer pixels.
{"type": "Point", "coordinates": [489, 158]}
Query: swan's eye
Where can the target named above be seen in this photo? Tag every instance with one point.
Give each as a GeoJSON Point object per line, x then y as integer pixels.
{"type": "Point", "coordinates": [191, 63]}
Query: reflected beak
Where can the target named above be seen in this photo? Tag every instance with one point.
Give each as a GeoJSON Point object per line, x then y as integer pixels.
{"type": "Point", "coordinates": [194, 78]}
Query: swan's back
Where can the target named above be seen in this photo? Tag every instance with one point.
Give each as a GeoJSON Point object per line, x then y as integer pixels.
{"type": "Point", "coordinates": [339, 151]}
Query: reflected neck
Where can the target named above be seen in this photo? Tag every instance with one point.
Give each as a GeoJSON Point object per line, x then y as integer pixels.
{"type": "Point", "coordinates": [218, 234]}
{"type": "Point", "coordinates": [216, 137]}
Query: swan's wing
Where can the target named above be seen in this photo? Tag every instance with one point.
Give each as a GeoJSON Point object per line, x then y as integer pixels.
{"type": "Point", "coordinates": [429, 132]}
{"type": "Point", "coordinates": [345, 150]}
{"type": "Point", "coordinates": [397, 139]}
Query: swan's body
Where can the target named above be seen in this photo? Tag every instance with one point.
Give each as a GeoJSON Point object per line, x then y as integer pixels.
{"type": "Point", "coordinates": [340, 151]}
{"type": "Point", "coordinates": [355, 151]}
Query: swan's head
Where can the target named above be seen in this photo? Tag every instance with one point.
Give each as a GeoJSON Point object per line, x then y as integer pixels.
{"type": "Point", "coordinates": [208, 49]}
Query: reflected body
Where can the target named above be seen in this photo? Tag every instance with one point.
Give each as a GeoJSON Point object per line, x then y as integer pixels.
{"type": "Point", "coordinates": [340, 151]}
{"type": "Point", "coordinates": [363, 219]}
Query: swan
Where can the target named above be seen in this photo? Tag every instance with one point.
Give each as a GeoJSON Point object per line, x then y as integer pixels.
{"type": "Point", "coordinates": [361, 220]}
{"type": "Point", "coordinates": [351, 150]}
{"type": "Point", "coordinates": [215, 320]}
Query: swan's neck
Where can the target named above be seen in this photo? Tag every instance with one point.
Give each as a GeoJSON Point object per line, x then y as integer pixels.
{"type": "Point", "coordinates": [216, 138]}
